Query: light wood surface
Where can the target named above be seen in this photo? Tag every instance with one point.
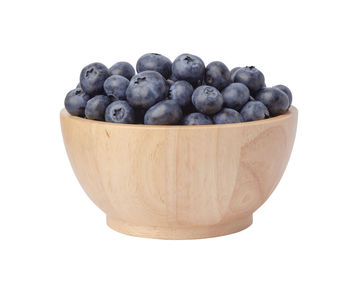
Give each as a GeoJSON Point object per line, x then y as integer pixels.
{"type": "Point", "coordinates": [179, 182]}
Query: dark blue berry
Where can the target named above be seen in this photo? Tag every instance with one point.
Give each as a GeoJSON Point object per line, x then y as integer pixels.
{"type": "Point", "coordinates": [120, 112]}
{"type": "Point", "coordinates": [207, 99]}
{"type": "Point", "coordinates": [164, 112]}
{"type": "Point", "coordinates": [217, 75]}
{"type": "Point", "coordinates": [233, 73]}
{"type": "Point", "coordinates": [122, 68]}
{"type": "Point", "coordinates": [286, 90]}
{"type": "Point", "coordinates": [251, 77]}
{"type": "Point", "coordinates": [96, 107]}
{"type": "Point", "coordinates": [254, 110]}
{"type": "Point", "coordinates": [92, 78]}
{"type": "Point", "coordinates": [154, 62]}
{"type": "Point", "coordinates": [274, 99]}
{"type": "Point", "coordinates": [75, 102]}
{"type": "Point", "coordinates": [190, 68]}
{"type": "Point", "coordinates": [236, 95]}
{"type": "Point", "coordinates": [115, 87]}
{"type": "Point", "coordinates": [146, 89]}
{"type": "Point", "coordinates": [181, 92]}
{"type": "Point", "coordinates": [197, 119]}
{"type": "Point", "coordinates": [227, 115]}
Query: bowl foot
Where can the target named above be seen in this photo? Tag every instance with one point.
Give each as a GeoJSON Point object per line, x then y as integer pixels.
{"type": "Point", "coordinates": [180, 233]}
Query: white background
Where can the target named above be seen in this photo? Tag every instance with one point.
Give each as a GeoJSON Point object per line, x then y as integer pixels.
{"type": "Point", "coordinates": [51, 231]}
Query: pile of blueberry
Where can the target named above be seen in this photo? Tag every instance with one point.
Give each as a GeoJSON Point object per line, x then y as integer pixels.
{"type": "Point", "coordinates": [180, 92]}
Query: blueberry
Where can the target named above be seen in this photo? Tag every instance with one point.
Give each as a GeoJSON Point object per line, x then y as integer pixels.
{"type": "Point", "coordinates": [146, 89]}
{"type": "Point", "coordinates": [286, 90]}
{"type": "Point", "coordinates": [96, 107]}
{"type": "Point", "coordinates": [120, 112]}
{"type": "Point", "coordinates": [227, 115]}
{"type": "Point", "coordinates": [217, 75]}
{"type": "Point", "coordinates": [154, 62]}
{"type": "Point", "coordinates": [207, 99]}
{"type": "Point", "coordinates": [235, 95]}
{"type": "Point", "coordinates": [197, 119]}
{"type": "Point", "coordinates": [233, 73]}
{"type": "Point", "coordinates": [274, 99]}
{"type": "Point", "coordinates": [164, 112]}
{"type": "Point", "coordinates": [254, 110]}
{"type": "Point", "coordinates": [92, 78]}
{"type": "Point", "coordinates": [251, 77]}
{"type": "Point", "coordinates": [75, 102]}
{"type": "Point", "coordinates": [190, 68]}
{"type": "Point", "coordinates": [115, 87]}
{"type": "Point", "coordinates": [122, 68]}
{"type": "Point", "coordinates": [181, 92]}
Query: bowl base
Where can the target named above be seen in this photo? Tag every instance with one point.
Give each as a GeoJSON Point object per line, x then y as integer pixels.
{"type": "Point", "coordinates": [180, 233]}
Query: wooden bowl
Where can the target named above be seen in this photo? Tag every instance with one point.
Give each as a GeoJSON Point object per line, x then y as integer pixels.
{"type": "Point", "coordinates": [179, 182]}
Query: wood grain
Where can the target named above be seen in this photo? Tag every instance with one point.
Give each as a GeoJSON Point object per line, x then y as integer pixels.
{"type": "Point", "coordinates": [179, 182]}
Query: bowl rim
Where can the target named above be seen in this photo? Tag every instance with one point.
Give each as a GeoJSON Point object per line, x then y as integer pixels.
{"type": "Point", "coordinates": [290, 113]}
